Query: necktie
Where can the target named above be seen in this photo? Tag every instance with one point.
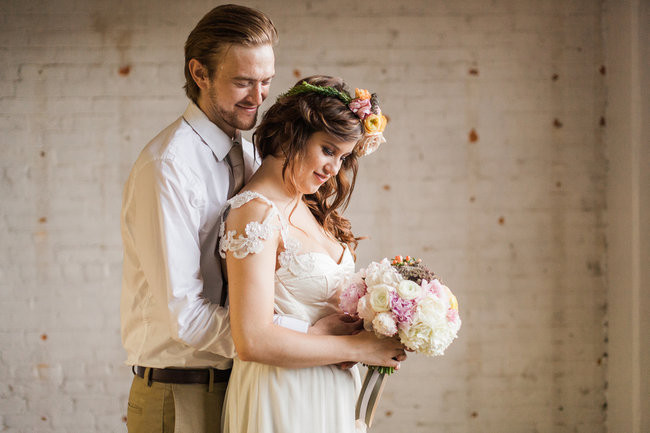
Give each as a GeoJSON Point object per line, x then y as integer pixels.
{"type": "Point", "coordinates": [235, 159]}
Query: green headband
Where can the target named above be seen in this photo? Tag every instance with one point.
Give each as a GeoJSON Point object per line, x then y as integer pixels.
{"type": "Point", "coordinates": [305, 87]}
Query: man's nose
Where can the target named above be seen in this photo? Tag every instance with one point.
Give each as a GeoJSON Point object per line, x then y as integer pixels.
{"type": "Point", "coordinates": [257, 94]}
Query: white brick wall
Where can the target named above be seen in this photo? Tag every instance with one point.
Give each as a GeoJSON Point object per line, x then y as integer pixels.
{"type": "Point", "coordinates": [513, 220]}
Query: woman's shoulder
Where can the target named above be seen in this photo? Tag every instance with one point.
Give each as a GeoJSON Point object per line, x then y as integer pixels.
{"type": "Point", "coordinates": [249, 196]}
{"type": "Point", "coordinates": [249, 220]}
{"type": "Point", "coordinates": [248, 206]}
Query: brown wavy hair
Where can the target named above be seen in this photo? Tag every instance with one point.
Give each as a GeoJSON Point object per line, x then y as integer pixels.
{"type": "Point", "coordinates": [284, 131]}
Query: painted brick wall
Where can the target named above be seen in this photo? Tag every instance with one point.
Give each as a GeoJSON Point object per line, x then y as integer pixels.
{"type": "Point", "coordinates": [494, 174]}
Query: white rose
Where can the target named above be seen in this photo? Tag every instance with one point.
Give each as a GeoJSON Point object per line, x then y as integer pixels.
{"type": "Point", "coordinates": [380, 298]}
{"type": "Point", "coordinates": [408, 290]}
{"type": "Point", "coordinates": [384, 324]}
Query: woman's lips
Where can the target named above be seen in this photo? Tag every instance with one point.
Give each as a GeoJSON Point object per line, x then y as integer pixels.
{"type": "Point", "coordinates": [321, 178]}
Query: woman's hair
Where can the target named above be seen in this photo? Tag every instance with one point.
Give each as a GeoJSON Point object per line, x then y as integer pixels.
{"type": "Point", "coordinates": [284, 131]}
{"type": "Point", "coordinates": [217, 30]}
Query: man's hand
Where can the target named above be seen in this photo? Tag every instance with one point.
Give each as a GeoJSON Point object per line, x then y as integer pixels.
{"type": "Point", "coordinates": [346, 365]}
{"type": "Point", "coordinates": [337, 324]}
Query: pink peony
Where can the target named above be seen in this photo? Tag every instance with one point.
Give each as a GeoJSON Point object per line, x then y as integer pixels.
{"type": "Point", "coordinates": [452, 315]}
{"type": "Point", "coordinates": [403, 309]}
{"type": "Point", "coordinates": [350, 296]}
{"type": "Point", "coordinates": [434, 287]}
{"type": "Point", "coordinates": [384, 324]}
{"type": "Point", "coordinates": [360, 107]}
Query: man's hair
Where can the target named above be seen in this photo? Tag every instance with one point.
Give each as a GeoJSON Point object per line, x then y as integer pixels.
{"type": "Point", "coordinates": [217, 30]}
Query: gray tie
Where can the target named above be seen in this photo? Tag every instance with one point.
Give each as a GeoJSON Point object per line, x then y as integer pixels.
{"type": "Point", "coordinates": [235, 160]}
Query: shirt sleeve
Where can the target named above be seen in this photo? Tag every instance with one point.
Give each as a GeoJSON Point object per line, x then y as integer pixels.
{"type": "Point", "coordinates": [292, 323]}
{"type": "Point", "coordinates": [166, 235]}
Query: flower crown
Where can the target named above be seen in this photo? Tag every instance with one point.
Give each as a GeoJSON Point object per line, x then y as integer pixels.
{"type": "Point", "coordinates": [364, 105]}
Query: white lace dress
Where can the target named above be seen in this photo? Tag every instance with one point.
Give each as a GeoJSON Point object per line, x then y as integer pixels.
{"type": "Point", "coordinates": [266, 399]}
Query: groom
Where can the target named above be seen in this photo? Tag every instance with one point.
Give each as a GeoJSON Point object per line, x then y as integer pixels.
{"type": "Point", "coordinates": [175, 328]}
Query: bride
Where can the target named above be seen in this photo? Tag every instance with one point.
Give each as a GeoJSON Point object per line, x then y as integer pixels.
{"type": "Point", "coordinates": [287, 249]}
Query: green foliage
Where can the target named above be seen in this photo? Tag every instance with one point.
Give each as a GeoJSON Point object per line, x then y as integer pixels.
{"type": "Point", "coordinates": [305, 87]}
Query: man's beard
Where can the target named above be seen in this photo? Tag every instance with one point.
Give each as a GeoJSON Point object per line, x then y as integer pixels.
{"type": "Point", "coordinates": [230, 117]}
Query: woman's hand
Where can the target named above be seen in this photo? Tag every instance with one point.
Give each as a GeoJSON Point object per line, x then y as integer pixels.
{"type": "Point", "coordinates": [385, 352]}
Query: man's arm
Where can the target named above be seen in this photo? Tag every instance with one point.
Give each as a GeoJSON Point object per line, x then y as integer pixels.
{"type": "Point", "coordinates": [165, 229]}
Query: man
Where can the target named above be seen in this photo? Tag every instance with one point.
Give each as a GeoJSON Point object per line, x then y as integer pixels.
{"type": "Point", "coordinates": [175, 327]}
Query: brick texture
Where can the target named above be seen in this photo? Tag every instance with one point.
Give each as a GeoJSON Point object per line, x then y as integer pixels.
{"type": "Point", "coordinates": [494, 173]}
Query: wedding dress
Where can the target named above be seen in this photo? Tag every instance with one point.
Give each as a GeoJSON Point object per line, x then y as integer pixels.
{"type": "Point", "coordinates": [267, 399]}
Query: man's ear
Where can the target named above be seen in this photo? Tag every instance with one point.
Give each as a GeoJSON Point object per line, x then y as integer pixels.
{"type": "Point", "coordinates": [199, 73]}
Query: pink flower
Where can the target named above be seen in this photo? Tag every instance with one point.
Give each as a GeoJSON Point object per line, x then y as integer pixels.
{"type": "Point", "coordinates": [384, 324]}
{"type": "Point", "coordinates": [452, 315]}
{"type": "Point", "coordinates": [434, 287]}
{"type": "Point", "coordinates": [360, 107]}
{"type": "Point", "coordinates": [349, 297]}
{"type": "Point", "coordinates": [404, 310]}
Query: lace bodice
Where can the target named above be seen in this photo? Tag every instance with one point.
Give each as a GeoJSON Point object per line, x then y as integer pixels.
{"type": "Point", "coordinates": [306, 283]}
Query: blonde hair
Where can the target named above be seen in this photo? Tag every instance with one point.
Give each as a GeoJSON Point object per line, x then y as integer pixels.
{"type": "Point", "coordinates": [218, 29]}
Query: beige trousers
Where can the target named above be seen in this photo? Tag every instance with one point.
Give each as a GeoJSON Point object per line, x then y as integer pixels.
{"type": "Point", "coordinates": [174, 408]}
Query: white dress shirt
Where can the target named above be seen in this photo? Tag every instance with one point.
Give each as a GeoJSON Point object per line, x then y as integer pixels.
{"type": "Point", "coordinates": [172, 282]}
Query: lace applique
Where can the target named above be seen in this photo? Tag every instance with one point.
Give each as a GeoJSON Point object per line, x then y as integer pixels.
{"type": "Point", "coordinates": [251, 242]}
{"type": "Point", "coordinates": [255, 232]}
{"type": "Point", "coordinates": [248, 243]}
{"type": "Point", "coordinates": [295, 263]}
{"type": "Point", "coordinates": [244, 197]}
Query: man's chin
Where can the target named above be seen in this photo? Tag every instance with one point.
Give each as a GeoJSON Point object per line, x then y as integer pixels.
{"type": "Point", "coordinates": [245, 124]}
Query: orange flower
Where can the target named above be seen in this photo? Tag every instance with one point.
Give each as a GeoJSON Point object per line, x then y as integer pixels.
{"type": "Point", "coordinates": [375, 123]}
{"type": "Point", "coordinates": [361, 94]}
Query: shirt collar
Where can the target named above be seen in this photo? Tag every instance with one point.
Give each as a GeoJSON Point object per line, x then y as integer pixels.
{"type": "Point", "coordinates": [217, 140]}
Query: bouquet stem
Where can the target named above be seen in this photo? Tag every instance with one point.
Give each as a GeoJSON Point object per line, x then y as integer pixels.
{"type": "Point", "coordinates": [382, 370]}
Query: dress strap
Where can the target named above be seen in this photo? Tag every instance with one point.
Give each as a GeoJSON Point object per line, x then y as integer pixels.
{"type": "Point", "coordinates": [250, 242]}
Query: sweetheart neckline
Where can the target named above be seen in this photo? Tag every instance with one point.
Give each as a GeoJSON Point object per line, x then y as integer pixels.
{"type": "Point", "coordinates": [318, 253]}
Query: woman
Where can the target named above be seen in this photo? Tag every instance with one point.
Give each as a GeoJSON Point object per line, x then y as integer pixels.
{"type": "Point", "coordinates": [287, 249]}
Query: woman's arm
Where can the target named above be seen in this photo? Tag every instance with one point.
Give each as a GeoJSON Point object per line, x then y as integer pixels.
{"type": "Point", "coordinates": [256, 338]}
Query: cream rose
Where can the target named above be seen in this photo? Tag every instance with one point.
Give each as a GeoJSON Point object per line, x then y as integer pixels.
{"type": "Point", "coordinates": [408, 290]}
{"type": "Point", "coordinates": [380, 298]}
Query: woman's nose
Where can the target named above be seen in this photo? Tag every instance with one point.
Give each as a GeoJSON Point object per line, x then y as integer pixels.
{"type": "Point", "coordinates": [332, 168]}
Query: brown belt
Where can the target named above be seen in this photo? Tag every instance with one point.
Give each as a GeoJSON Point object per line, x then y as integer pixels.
{"type": "Point", "coordinates": [182, 375]}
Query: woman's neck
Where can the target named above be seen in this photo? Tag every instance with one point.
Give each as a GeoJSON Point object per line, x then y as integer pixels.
{"type": "Point", "coordinates": [268, 179]}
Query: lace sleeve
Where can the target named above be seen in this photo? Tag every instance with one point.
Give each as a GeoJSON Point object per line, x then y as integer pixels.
{"type": "Point", "coordinates": [251, 241]}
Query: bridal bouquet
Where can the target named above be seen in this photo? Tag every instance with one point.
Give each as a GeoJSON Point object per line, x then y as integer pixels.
{"type": "Point", "coordinates": [403, 298]}
{"type": "Point", "coordinates": [400, 298]}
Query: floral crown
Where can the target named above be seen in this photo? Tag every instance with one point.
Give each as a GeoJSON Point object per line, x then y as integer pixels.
{"type": "Point", "coordinates": [364, 105]}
